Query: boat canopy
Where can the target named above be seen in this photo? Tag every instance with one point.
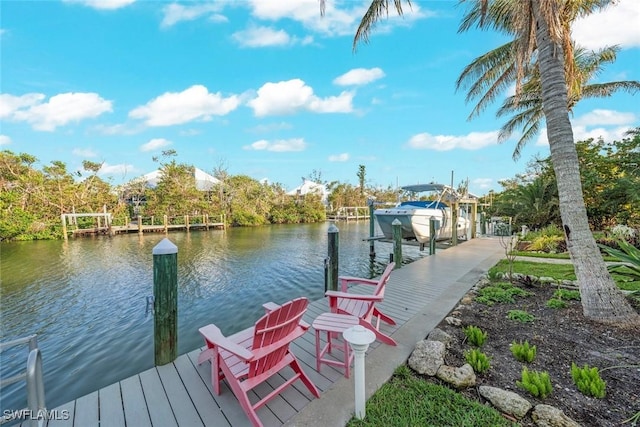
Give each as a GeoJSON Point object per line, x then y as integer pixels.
{"type": "Point", "coordinates": [417, 188]}
{"type": "Point", "coordinates": [427, 204]}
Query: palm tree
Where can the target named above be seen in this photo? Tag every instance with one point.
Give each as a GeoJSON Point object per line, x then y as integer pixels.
{"type": "Point", "coordinates": [488, 75]}
{"type": "Point", "coordinates": [541, 32]}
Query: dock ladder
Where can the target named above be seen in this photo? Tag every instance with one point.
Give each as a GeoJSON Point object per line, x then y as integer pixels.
{"type": "Point", "coordinates": [35, 385]}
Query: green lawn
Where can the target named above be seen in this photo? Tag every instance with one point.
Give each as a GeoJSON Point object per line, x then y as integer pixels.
{"type": "Point", "coordinates": [409, 401]}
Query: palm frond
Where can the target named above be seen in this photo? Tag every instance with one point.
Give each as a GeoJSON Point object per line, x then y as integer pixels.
{"type": "Point", "coordinates": [377, 9]}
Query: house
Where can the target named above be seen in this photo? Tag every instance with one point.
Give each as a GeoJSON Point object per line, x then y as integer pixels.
{"type": "Point", "coordinates": [204, 181]}
{"type": "Point", "coordinates": [310, 187]}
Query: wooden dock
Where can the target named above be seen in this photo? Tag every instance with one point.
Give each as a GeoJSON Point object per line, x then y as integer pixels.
{"type": "Point", "coordinates": [351, 213]}
{"type": "Point", "coordinates": [179, 394]}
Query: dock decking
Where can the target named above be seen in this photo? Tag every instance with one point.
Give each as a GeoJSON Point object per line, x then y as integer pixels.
{"type": "Point", "coordinates": [417, 297]}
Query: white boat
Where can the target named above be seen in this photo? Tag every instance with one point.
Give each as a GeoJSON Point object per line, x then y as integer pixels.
{"type": "Point", "coordinates": [414, 215]}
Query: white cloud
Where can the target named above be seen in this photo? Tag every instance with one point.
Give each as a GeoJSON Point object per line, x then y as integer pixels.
{"type": "Point", "coordinates": [288, 97]}
{"type": "Point", "coordinates": [103, 4]}
{"type": "Point", "coordinates": [261, 37]}
{"type": "Point", "coordinates": [84, 152]}
{"type": "Point", "coordinates": [5, 140]}
{"type": "Point", "coordinates": [605, 117]}
{"type": "Point", "coordinates": [339, 157]}
{"type": "Point", "coordinates": [119, 129]}
{"type": "Point", "coordinates": [155, 144]}
{"type": "Point", "coordinates": [271, 127]}
{"type": "Point", "coordinates": [58, 111]}
{"type": "Point", "coordinates": [472, 141]}
{"type": "Point", "coordinates": [281, 145]}
{"type": "Point", "coordinates": [615, 25]}
{"type": "Point", "coordinates": [175, 13]}
{"type": "Point", "coordinates": [194, 103]}
{"type": "Point", "coordinates": [121, 169]}
{"type": "Point", "coordinates": [337, 21]}
{"type": "Point", "coordinates": [609, 125]}
{"type": "Point", "coordinates": [359, 76]}
{"type": "Point", "coordinates": [482, 183]}
{"type": "Point", "coordinates": [257, 36]}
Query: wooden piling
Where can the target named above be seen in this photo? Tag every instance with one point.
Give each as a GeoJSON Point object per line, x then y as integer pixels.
{"type": "Point", "coordinates": [372, 247]}
{"type": "Point", "coordinates": [186, 222]}
{"type": "Point", "coordinates": [64, 226]}
{"type": "Point", "coordinates": [165, 293]}
{"type": "Point", "coordinates": [432, 235]}
{"type": "Point", "coordinates": [396, 227]}
{"type": "Point", "coordinates": [332, 256]}
{"type": "Point", "coordinates": [139, 224]}
{"type": "Point", "coordinates": [454, 223]}
{"type": "Point", "coordinates": [165, 219]}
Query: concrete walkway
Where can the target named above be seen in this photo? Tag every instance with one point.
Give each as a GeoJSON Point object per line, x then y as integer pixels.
{"type": "Point", "coordinates": [449, 274]}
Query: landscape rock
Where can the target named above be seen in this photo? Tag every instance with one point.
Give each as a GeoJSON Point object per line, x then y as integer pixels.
{"type": "Point", "coordinates": [547, 280]}
{"type": "Point", "coordinates": [461, 377]}
{"type": "Point", "coordinates": [427, 357]}
{"type": "Point", "coordinates": [454, 321]}
{"type": "Point", "coordinates": [506, 401]}
{"type": "Point", "coordinates": [438, 334]}
{"type": "Point", "coordinates": [549, 416]}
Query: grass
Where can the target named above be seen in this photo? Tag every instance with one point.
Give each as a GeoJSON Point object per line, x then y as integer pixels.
{"type": "Point", "coordinates": [407, 400]}
{"type": "Point", "coordinates": [557, 271]}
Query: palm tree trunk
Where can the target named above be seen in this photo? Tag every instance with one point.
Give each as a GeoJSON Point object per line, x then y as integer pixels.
{"type": "Point", "coordinates": [601, 298]}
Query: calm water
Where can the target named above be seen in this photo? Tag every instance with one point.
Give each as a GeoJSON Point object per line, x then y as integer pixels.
{"type": "Point", "coordinates": [86, 298]}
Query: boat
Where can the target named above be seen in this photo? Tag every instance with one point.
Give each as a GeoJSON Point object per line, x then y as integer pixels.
{"type": "Point", "coordinates": [414, 215]}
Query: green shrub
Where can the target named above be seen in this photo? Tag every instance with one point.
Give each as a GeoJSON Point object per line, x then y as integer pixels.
{"type": "Point", "coordinates": [567, 294]}
{"type": "Point", "coordinates": [536, 383]}
{"type": "Point", "coordinates": [475, 335]}
{"type": "Point", "coordinates": [629, 260]}
{"type": "Point", "coordinates": [556, 303]}
{"type": "Point", "coordinates": [478, 360]}
{"type": "Point", "coordinates": [520, 316]}
{"type": "Point", "coordinates": [547, 244]}
{"type": "Point", "coordinates": [523, 352]}
{"type": "Point", "coordinates": [588, 381]}
{"type": "Point", "coordinates": [501, 292]}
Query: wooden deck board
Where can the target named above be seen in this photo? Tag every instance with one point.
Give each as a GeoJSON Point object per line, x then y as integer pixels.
{"type": "Point", "coordinates": [135, 407]}
{"type": "Point", "coordinates": [111, 409]}
{"type": "Point", "coordinates": [180, 393]}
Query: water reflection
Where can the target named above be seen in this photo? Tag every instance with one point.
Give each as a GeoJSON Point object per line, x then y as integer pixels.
{"type": "Point", "coordinates": [86, 298]}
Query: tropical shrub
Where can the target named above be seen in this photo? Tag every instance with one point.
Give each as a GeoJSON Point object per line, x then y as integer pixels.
{"type": "Point", "coordinates": [556, 303]}
{"type": "Point", "coordinates": [475, 335]}
{"type": "Point", "coordinates": [501, 292]}
{"type": "Point", "coordinates": [523, 352]}
{"type": "Point", "coordinates": [478, 360]}
{"type": "Point", "coordinates": [628, 257]}
{"type": "Point", "coordinates": [536, 383]}
{"type": "Point", "coordinates": [588, 381]}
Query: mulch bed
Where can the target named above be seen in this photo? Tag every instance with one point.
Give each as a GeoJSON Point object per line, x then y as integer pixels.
{"type": "Point", "coordinates": [562, 336]}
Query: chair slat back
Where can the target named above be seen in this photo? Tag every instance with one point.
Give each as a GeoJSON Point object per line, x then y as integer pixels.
{"type": "Point", "coordinates": [279, 326]}
{"type": "Point", "coordinates": [382, 283]}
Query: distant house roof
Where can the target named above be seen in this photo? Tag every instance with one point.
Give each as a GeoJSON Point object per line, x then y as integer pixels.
{"type": "Point", "coordinates": [204, 181]}
{"type": "Point", "coordinates": [310, 187]}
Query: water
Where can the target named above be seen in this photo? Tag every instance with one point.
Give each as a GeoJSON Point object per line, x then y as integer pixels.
{"type": "Point", "coordinates": [86, 298]}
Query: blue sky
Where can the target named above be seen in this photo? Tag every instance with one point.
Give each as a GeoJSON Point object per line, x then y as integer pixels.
{"type": "Point", "coordinates": [269, 89]}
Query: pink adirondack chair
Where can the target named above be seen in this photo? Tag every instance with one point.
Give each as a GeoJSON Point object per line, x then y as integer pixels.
{"type": "Point", "coordinates": [248, 358]}
{"type": "Point", "coordinates": [363, 306]}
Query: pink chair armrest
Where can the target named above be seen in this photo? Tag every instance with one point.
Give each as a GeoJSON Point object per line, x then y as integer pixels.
{"type": "Point", "coordinates": [212, 334]}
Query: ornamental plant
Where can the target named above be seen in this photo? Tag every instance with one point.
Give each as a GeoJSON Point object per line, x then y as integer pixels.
{"type": "Point", "coordinates": [478, 360]}
{"type": "Point", "coordinates": [523, 351]}
{"type": "Point", "coordinates": [475, 335]}
{"type": "Point", "coordinates": [536, 383]}
{"type": "Point", "coordinates": [588, 381]}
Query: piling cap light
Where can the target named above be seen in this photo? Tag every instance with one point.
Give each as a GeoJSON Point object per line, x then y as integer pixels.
{"type": "Point", "coordinates": [358, 335]}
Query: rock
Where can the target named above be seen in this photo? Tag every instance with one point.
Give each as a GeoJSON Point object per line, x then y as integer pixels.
{"type": "Point", "coordinates": [427, 357]}
{"type": "Point", "coordinates": [569, 283]}
{"type": "Point", "coordinates": [549, 416]}
{"type": "Point", "coordinates": [506, 401]}
{"type": "Point", "coordinates": [547, 280]}
{"type": "Point", "coordinates": [440, 335]}
{"type": "Point", "coordinates": [461, 377]}
{"type": "Point", "coordinates": [453, 321]}
{"type": "Point", "coordinates": [467, 299]}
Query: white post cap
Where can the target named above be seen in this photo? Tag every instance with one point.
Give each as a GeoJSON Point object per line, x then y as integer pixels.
{"type": "Point", "coordinates": [165, 247]}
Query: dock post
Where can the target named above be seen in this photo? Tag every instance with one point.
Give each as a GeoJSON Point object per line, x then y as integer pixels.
{"type": "Point", "coordinates": [372, 245]}
{"type": "Point", "coordinates": [483, 224]}
{"type": "Point", "coordinates": [165, 294]}
{"type": "Point", "coordinates": [432, 235]}
{"type": "Point", "coordinates": [454, 224]}
{"type": "Point", "coordinates": [139, 224]}
{"type": "Point", "coordinates": [396, 226]}
{"type": "Point", "coordinates": [332, 256]}
{"type": "Point", "coordinates": [64, 226]}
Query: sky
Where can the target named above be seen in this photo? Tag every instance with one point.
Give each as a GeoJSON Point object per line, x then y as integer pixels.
{"type": "Point", "coordinates": [272, 90]}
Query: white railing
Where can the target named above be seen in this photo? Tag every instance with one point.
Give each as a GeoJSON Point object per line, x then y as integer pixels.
{"type": "Point", "coordinates": [35, 386]}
